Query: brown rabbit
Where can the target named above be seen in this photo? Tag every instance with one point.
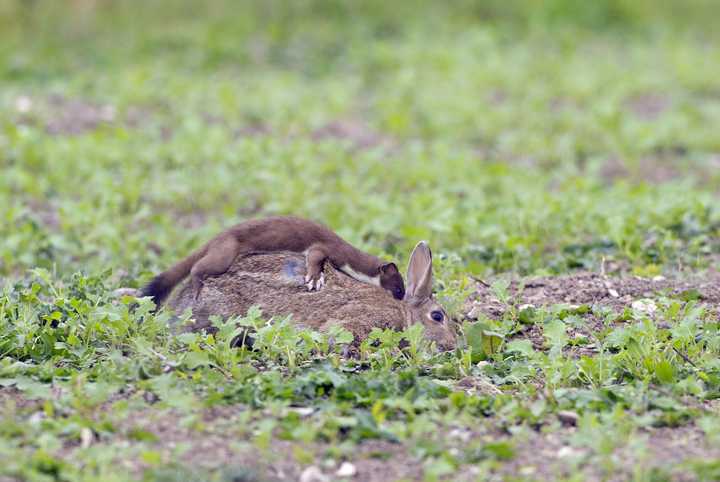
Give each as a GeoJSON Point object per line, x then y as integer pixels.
{"type": "Point", "coordinates": [275, 283]}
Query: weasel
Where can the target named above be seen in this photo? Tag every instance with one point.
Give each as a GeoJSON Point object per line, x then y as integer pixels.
{"type": "Point", "coordinates": [315, 241]}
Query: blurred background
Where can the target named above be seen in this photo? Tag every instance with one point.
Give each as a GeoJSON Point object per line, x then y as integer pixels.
{"type": "Point", "coordinates": [518, 136]}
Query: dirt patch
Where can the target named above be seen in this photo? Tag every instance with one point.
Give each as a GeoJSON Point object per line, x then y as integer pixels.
{"type": "Point", "coordinates": [649, 106]}
{"type": "Point", "coordinates": [46, 212]}
{"type": "Point", "coordinates": [138, 117]}
{"type": "Point", "coordinates": [12, 399]}
{"type": "Point", "coordinates": [593, 290]}
{"type": "Point", "coordinates": [613, 169]}
{"type": "Point", "coordinates": [76, 116]}
{"type": "Point", "coordinates": [565, 451]}
{"type": "Point", "coordinates": [252, 130]}
{"type": "Point", "coordinates": [663, 166]}
{"type": "Point", "coordinates": [356, 132]}
{"type": "Point", "coordinates": [65, 116]}
{"type": "Point", "coordinates": [658, 170]}
{"type": "Point", "coordinates": [218, 438]}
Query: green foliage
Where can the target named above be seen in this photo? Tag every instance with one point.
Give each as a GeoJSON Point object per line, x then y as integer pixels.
{"type": "Point", "coordinates": [482, 343]}
{"type": "Point", "coordinates": [518, 137]}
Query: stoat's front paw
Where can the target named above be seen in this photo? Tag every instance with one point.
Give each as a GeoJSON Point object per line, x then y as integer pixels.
{"type": "Point", "coordinates": [315, 283]}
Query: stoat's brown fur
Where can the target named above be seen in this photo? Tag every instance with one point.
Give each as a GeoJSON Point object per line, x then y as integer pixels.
{"type": "Point", "coordinates": [317, 242]}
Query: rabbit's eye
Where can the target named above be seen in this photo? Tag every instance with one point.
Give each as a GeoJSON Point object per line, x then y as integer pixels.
{"type": "Point", "coordinates": [437, 316]}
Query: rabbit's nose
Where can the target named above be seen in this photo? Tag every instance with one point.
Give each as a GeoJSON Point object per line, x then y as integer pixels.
{"type": "Point", "coordinates": [449, 343]}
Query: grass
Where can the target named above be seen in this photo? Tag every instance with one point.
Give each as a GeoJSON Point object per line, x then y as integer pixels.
{"type": "Point", "coordinates": [519, 138]}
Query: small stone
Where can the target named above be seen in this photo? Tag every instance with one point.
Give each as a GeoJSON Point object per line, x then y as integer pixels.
{"type": "Point", "coordinates": [86, 437]}
{"type": "Point", "coordinates": [107, 113]}
{"type": "Point", "coordinates": [461, 434]}
{"type": "Point", "coordinates": [126, 292]}
{"type": "Point", "coordinates": [526, 306]}
{"type": "Point", "coordinates": [644, 306]}
{"type": "Point", "coordinates": [346, 470]}
{"type": "Point", "coordinates": [567, 417]}
{"type": "Point", "coordinates": [36, 417]}
{"type": "Point", "coordinates": [658, 278]}
{"type": "Point", "coordinates": [613, 292]}
{"type": "Point", "coordinates": [566, 451]}
{"type": "Point", "coordinates": [302, 411]}
{"type": "Point", "coordinates": [474, 313]}
{"type": "Point", "coordinates": [23, 104]}
{"type": "Point", "coordinates": [313, 474]}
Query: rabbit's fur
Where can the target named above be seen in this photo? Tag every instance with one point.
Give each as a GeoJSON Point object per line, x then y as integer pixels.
{"type": "Point", "coordinates": [275, 283]}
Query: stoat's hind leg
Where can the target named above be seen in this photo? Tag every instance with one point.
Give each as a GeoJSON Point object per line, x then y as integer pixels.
{"type": "Point", "coordinates": [220, 255]}
{"type": "Point", "coordinates": [315, 258]}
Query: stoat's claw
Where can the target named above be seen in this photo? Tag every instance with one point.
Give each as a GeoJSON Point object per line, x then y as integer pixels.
{"type": "Point", "coordinates": [315, 284]}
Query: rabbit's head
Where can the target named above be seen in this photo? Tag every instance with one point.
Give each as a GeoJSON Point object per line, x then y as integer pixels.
{"type": "Point", "coordinates": [421, 305]}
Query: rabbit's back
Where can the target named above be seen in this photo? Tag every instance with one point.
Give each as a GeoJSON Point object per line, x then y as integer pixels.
{"type": "Point", "coordinates": [275, 283]}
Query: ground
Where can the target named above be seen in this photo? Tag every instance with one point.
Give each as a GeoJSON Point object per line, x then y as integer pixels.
{"type": "Point", "coordinates": [562, 162]}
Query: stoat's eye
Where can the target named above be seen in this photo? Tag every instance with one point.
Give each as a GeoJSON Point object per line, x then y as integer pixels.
{"type": "Point", "coordinates": [437, 316]}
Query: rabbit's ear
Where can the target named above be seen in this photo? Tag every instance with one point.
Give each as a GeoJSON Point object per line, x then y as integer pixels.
{"type": "Point", "coordinates": [419, 273]}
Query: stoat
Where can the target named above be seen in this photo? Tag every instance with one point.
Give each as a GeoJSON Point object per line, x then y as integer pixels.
{"type": "Point", "coordinates": [315, 241]}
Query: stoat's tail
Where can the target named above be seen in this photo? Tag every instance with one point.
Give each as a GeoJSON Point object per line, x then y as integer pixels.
{"type": "Point", "coordinates": [162, 285]}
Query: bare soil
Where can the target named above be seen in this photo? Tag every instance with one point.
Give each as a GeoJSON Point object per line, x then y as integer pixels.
{"type": "Point", "coordinates": [75, 116]}
{"type": "Point", "coordinates": [357, 132]}
{"type": "Point", "coordinates": [596, 291]}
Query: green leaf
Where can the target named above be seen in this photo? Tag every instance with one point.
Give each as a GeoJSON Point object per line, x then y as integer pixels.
{"type": "Point", "coordinates": [483, 342]}
{"type": "Point", "coordinates": [500, 450]}
{"type": "Point", "coordinates": [437, 468]}
{"type": "Point", "coordinates": [142, 435]}
{"type": "Point", "coordinates": [491, 342]}
{"type": "Point", "coordinates": [556, 335]}
{"type": "Point", "coordinates": [524, 347]}
{"type": "Point", "coordinates": [340, 335]}
{"type": "Point", "coordinates": [473, 337]}
{"type": "Point", "coordinates": [527, 315]}
{"type": "Point", "coordinates": [500, 290]}
{"type": "Point", "coordinates": [187, 338]}
{"type": "Point", "coordinates": [33, 389]}
{"type": "Point", "coordinates": [665, 372]}
{"type": "Point", "coordinates": [196, 359]}
{"type": "Point", "coordinates": [151, 457]}
{"type": "Point", "coordinates": [690, 295]}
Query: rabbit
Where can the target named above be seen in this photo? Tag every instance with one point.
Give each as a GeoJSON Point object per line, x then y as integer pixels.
{"type": "Point", "coordinates": [276, 283]}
